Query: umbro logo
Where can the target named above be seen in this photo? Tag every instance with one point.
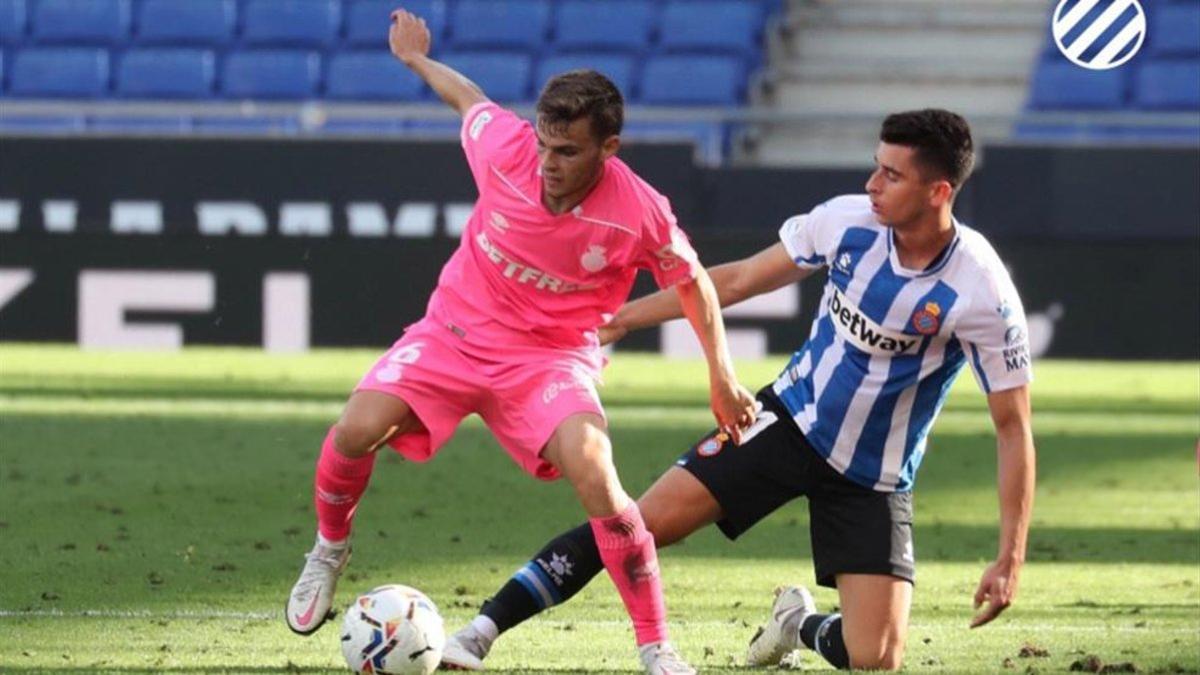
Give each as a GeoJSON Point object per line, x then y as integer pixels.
{"type": "Point", "coordinates": [498, 221]}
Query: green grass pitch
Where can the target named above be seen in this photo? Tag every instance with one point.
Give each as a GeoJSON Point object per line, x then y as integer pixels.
{"type": "Point", "coordinates": [154, 509]}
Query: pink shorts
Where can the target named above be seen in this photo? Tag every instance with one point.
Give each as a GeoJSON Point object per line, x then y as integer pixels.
{"type": "Point", "coordinates": [522, 400]}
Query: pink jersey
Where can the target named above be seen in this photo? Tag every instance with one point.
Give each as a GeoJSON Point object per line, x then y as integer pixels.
{"type": "Point", "coordinates": [525, 277]}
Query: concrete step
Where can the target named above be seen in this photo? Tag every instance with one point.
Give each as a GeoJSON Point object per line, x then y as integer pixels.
{"type": "Point", "coordinates": [922, 14]}
{"type": "Point", "coordinates": [880, 44]}
{"type": "Point", "coordinates": [883, 96]}
{"type": "Point", "coordinates": [913, 70]}
{"type": "Point", "coordinates": [836, 143]}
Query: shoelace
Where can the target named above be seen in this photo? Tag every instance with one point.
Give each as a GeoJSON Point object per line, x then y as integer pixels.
{"type": "Point", "coordinates": [312, 576]}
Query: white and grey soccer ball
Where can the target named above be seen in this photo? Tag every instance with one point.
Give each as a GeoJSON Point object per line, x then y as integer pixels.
{"type": "Point", "coordinates": [393, 630]}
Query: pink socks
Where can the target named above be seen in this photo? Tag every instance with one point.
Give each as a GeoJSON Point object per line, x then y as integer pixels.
{"type": "Point", "coordinates": [340, 483]}
{"type": "Point", "coordinates": [628, 552]}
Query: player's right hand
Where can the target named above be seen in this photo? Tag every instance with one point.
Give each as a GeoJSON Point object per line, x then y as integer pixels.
{"type": "Point", "coordinates": [408, 36]}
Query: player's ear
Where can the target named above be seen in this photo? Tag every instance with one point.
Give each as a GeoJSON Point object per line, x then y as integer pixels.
{"type": "Point", "coordinates": [940, 193]}
{"type": "Point", "coordinates": [610, 146]}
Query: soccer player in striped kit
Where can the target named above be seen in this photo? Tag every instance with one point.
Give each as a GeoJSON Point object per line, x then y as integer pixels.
{"type": "Point", "coordinates": [549, 253]}
{"type": "Point", "coordinates": [912, 295]}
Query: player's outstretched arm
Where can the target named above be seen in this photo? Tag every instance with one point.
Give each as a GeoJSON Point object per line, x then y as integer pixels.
{"type": "Point", "coordinates": [1010, 411]}
{"type": "Point", "coordinates": [732, 405]}
{"type": "Point", "coordinates": [409, 39]}
{"type": "Point", "coordinates": [763, 272]}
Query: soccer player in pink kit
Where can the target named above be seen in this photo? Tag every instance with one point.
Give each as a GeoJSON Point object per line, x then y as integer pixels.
{"type": "Point", "coordinates": [549, 253]}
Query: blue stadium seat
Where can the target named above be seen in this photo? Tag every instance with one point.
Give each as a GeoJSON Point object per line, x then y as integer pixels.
{"type": "Point", "coordinates": [504, 24]}
{"type": "Point", "coordinates": [367, 21]}
{"type": "Point", "coordinates": [1168, 85]}
{"type": "Point", "coordinates": [13, 21]}
{"type": "Point", "coordinates": [727, 26]}
{"type": "Point", "coordinates": [615, 25]}
{"type": "Point", "coordinates": [60, 72]}
{"type": "Point", "coordinates": [503, 77]}
{"type": "Point", "coordinates": [1174, 29]}
{"type": "Point", "coordinates": [194, 22]}
{"type": "Point", "coordinates": [81, 22]}
{"type": "Point", "coordinates": [618, 68]}
{"type": "Point", "coordinates": [166, 73]}
{"type": "Point", "coordinates": [371, 76]}
{"type": "Point", "coordinates": [291, 23]}
{"type": "Point", "coordinates": [271, 74]}
{"type": "Point", "coordinates": [692, 80]}
{"type": "Point", "coordinates": [1059, 85]}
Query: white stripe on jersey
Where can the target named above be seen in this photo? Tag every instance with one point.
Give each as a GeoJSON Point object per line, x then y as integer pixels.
{"type": "Point", "coordinates": [877, 377]}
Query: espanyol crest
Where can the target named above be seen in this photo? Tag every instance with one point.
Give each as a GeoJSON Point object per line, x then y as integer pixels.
{"type": "Point", "coordinates": [1098, 34]}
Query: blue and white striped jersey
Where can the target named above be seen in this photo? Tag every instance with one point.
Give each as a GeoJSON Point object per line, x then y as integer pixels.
{"type": "Point", "coordinates": [888, 342]}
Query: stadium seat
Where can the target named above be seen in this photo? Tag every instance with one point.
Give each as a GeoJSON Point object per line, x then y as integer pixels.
{"type": "Point", "coordinates": [503, 77]}
{"type": "Point", "coordinates": [290, 23]}
{"type": "Point", "coordinates": [367, 20]}
{"type": "Point", "coordinates": [1168, 85]}
{"type": "Point", "coordinates": [1174, 29]}
{"type": "Point", "coordinates": [1059, 85]}
{"type": "Point", "coordinates": [612, 25]}
{"type": "Point", "coordinates": [195, 22]}
{"type": "Point", "coordinates": [13, 21]}
{"type": "Point", "coordinates": [60, 72]}
{"type": "Point", "coordinates": [691, 80]}
{"type": "Point", "coordinates": [80, 22]}
{"type": "Point", "coordinates": [166, 73]}
{"type": "Point", "coordinates": [617, 67]}
{"type": "Point", "coordinates": [503, 24]}
{"type": "Point", "coordinates": [271, 74]}
{"type": "Point", "coordinates": [371, 76]}
{"type": "Point", "coordinates": [726, 26]}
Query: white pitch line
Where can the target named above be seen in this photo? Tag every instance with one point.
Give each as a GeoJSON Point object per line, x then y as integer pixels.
{"type": "Point", "coordinates": [1015, 627]}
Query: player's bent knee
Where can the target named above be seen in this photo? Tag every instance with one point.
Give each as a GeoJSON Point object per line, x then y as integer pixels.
{"type": "Point", "coordinates": [353, 440]}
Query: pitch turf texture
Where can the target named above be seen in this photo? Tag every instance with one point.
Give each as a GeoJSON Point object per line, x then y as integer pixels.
{"type": "Point", "coordinates": [154, 509]}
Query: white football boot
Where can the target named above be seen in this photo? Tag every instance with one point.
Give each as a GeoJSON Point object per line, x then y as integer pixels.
{"type": "Point", "coordinates": [311, 600]}
{"type": "Point", "coordinates": [465, 650]}
{"type": "Point", "coordinates": [661, 658]}
{"type": "Point", "coordinates": [782, 633]}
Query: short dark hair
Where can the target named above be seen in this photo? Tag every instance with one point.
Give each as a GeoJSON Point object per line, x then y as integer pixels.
{"type": "Point", "coordinates": [579, 93]}
{"type": "Point", "coordinates": [941, 139]}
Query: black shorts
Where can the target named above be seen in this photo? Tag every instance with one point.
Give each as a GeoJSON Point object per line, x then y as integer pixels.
{"type": "Point", "coordinates": [854, 529]}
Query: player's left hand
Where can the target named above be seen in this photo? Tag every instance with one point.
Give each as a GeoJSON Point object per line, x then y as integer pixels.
{"type": "Point", "coordinates": [997, 589]}
{"type": "Point", "coordinates": [733, 406]}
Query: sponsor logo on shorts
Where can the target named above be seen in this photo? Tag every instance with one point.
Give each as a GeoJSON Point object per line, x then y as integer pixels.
{"type": "Point", "coordinates": [552, 390]}
{"type": "Point", "coordinates": [1013, 335]}
{"type": "Point", "coordinates": [712, 445]}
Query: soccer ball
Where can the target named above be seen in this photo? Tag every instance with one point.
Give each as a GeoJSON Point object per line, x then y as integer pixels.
{"type": "Point", "coordinates": [393, 630]}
